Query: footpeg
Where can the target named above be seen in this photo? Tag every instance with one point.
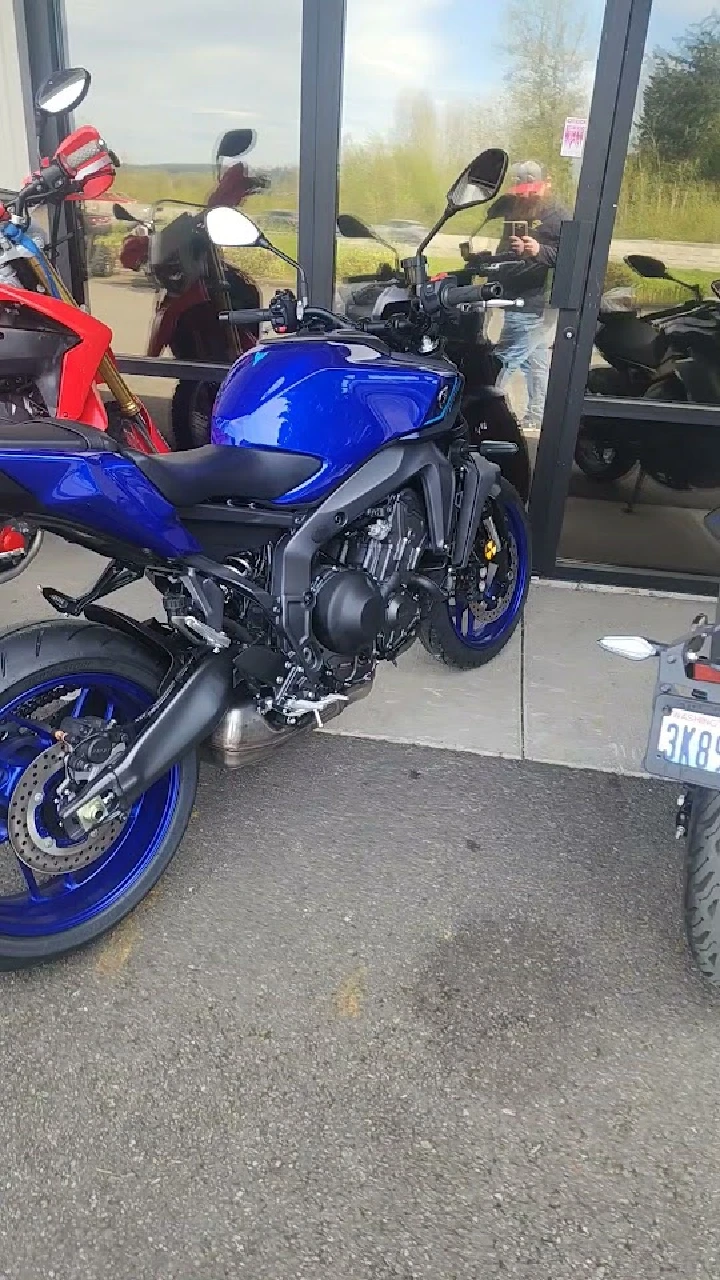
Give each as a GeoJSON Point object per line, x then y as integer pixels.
{"type": "Point", "coordinates": [216, 640]}
{"type": "Point", "coordinates": [295, 708]}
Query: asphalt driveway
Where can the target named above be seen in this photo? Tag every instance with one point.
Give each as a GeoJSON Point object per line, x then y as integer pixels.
{"type": "Point", "coordinates": [393, 1012]}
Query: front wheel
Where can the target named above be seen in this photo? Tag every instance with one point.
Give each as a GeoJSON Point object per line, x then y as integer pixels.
{"type": "Point", "coordinates": [57, 893]}
{"type": "Point", "coordinates": [702, 882]}
{"type": "Point", "coordinates": [478, 620]}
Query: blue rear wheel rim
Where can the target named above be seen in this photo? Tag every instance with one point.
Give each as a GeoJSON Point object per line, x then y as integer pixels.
{"type": "Point", "coordinates": [34, 905]}
{"type": "Point", "coordinates": [481, 632]}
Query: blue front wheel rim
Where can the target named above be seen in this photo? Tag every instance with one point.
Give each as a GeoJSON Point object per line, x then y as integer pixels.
{"type": "Point", "coordinates": [36, 906]}
{"type": "Point", "coordinates": [476, 625]}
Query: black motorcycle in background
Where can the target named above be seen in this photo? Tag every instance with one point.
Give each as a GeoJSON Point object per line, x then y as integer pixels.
{"type": "Point", "coordinates": [389, 291]}
{"type": "Point", "coordinates": [665, 356]}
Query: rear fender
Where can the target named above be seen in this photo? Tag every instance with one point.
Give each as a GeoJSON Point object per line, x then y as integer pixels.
{"type": "Point", "coordinates": [142, 632]}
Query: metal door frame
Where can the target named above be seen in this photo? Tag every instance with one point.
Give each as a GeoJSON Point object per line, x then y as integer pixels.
{"type": "Point", "coordinates": [617, 76]}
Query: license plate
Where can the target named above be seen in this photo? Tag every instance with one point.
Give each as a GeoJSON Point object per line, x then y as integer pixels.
{"type": "Point", "coordinates": [690, 740]}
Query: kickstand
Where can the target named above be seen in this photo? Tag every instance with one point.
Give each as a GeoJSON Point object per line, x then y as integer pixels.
{"type": "Point", "coordinates": [639, 480]}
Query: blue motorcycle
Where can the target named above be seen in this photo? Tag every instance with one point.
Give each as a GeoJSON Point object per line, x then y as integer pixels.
{"type": "Point", "coordinates": [339, 514]}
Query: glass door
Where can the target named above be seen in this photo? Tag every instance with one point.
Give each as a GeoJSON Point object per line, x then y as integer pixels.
{"type": "Point", "coordinates": [646, 463]}
{"type": "Point", "coordinates": [428, 85]}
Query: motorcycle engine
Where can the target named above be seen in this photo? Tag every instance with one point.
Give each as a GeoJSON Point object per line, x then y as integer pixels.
{"type": "Point", "coordinates": [365, 599]}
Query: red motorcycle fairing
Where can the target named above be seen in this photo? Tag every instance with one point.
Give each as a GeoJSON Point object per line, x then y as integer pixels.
{"type": "Point", "coordinates": [167, 315]}
{"type": "Point", "coordinates": [80, 364]}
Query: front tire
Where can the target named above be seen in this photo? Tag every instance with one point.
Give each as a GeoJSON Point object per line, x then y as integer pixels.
{"type": "Point", "coordinates": [702, 883]}
{"type": "Point", "coordinates": [49, 671]}
{"type": "Point", "coordinates": [192, 406]}
{"type": "Point", "coordinates": [476, 624]}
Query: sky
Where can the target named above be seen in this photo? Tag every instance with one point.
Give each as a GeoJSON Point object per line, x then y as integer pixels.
{"type": "Point", "coordinates": [174, 74]}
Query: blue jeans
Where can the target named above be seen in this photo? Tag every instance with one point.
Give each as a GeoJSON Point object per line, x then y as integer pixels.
{"type": "Point", "coordinates": [524, 347]}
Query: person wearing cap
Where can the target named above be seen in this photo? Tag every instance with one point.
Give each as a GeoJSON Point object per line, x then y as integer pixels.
{"type": "Point", "coordinates": [527, 335]}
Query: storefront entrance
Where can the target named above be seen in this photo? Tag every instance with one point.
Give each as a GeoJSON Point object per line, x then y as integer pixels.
{"type": "Point", "coordinates": [370, 108]}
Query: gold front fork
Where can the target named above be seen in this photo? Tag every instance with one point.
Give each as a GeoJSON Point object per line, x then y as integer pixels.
{"type": "Point", "coordinates": [107, 371]}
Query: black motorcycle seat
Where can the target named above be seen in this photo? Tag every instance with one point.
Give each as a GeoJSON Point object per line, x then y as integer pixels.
{"type": "Point", "coordinates": [223, 471]}
{"type": "Point", "coordinates": [185, 479]}
{"type": "Point", "coordinates": [48, 433]}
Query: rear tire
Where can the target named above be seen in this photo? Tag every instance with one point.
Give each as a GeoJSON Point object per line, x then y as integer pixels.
{"type": "Point", "coordinates": [597, 453]}
{"type": "Point", "coordinates": [35, 661]}
{"type": "Point", "coordinates": [702, 883]}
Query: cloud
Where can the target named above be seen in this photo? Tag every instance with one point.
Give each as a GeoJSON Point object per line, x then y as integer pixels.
{"type": "Point", "coordinates": [164, 61]}
{"type": "Point", "coordinates": [390, 48]}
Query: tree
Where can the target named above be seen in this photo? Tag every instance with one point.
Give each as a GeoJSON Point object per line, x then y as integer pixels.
{"type": "Point", "coordinates": [680, 118]}
{"type": "Point", "coordinates": [547, 81]}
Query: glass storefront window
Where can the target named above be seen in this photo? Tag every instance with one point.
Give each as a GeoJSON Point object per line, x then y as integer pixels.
{"type": "Point", "coordinates": [639, 490]}
{"type": "Point", "coordinates": [168, 82]}
{"type": "Point", "coordinates": [427, 85]}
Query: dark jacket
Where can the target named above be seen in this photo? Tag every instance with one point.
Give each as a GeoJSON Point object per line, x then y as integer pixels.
{"type": "Point", "coordinates": [531, 280]}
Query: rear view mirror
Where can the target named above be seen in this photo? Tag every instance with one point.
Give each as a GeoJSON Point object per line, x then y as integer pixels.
{"type": "Point", "coordinates": [651, 268]}
{"type": "Point", "coordinates": [232, 229]}
{"type": "Point", "coordinates": [352, 228]}
{"type": "Point", "coordinates": [715, 286]}
{"type": "Point", "coordinates": [480, 181]}
{"type": "Point", "coordinates": [235, 143]}
{"type": "Point", "coordinates": [62, 91]}
{"type": "Point", "coordinates": [121, 214]}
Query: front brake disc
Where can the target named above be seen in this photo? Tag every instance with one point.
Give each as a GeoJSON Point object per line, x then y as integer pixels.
{"type": "Point", "coordinates": [29, 838]}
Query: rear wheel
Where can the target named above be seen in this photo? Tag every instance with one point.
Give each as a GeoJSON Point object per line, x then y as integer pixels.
{"type": "Point", "coordinates": [192, 407]}
{"type": "Point", "coordinates": [598, 453]}
{"type": "Point", "coordinates": [600, 460]}
{"type": "Point", "coordinates": [56, 894]}
{"type": "Point", "coordinates": [702, 882]}
{"type": "Point", "coordinates": [477, 622]}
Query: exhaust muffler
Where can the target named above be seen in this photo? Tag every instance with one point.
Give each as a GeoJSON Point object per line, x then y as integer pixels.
{"type": "Point", "coordinates": [244, 737]}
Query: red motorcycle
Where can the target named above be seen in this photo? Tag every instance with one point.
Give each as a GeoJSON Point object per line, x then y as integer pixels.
{"type": "Point", "coordinates": [53, 356]}
{"type": "Point", "coordinates": [196, 285]}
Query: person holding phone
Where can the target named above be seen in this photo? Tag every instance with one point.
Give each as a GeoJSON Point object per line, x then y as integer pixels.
{"type": "Point", "coordinates": [531, 233]}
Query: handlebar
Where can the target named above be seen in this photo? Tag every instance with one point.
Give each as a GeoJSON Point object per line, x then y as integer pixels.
{"type": "Point", "coordinates": [251, 315]}
{"type": "Point", "coordinates": [375, 278]}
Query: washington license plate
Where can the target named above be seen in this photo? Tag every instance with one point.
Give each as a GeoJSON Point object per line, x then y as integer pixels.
{"type": "Point", "coordinates": [690, 739]}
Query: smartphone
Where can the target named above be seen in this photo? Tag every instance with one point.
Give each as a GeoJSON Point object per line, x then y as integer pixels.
{"type": "Point", "coordinates": [515, 229]}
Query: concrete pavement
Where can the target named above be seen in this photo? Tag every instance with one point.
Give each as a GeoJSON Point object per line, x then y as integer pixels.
{"type": "Point", "coordinates": [392, 1012]}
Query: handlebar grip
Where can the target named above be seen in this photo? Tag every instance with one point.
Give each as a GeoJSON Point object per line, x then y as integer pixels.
{"type": "Point", "coordinates": [253, 315]}
{"type": "Point", "coordinates": [454, 295]}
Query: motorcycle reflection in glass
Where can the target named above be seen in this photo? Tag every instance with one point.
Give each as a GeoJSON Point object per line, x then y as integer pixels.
{"type": "Point", "coordinates": [196, 285]}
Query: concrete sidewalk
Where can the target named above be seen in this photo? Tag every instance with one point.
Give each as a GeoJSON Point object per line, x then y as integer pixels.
{"type": "Point", "coordinates": [551, 696]}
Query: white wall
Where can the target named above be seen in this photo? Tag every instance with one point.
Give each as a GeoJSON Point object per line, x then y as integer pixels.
{"type": "Point", "coordinates": [16, 113]}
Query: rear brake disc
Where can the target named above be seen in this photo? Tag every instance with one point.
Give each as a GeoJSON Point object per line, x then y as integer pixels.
{"type": "Point", "coordinates": [30, 841]}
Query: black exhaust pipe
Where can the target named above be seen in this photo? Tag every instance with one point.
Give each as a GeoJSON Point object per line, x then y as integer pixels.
{"type": "Point", "coordinates": [180, 719]}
